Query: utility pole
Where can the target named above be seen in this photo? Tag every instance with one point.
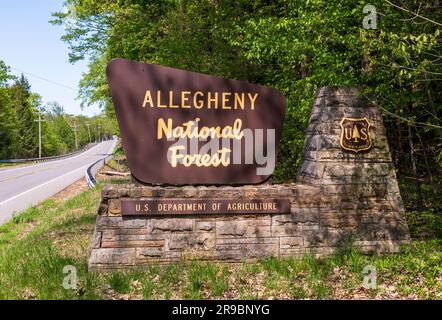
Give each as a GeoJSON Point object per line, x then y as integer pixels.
{"type": "Point", "coordinates": [75, 128]}
{"type": "Point", "coordinates": [99, 133]}
{"type": "Point", "coordinates": [39, 132]}
{"type": "Point", "coordinates": [89, 132]}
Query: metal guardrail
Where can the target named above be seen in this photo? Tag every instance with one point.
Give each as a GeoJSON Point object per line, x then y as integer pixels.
{"type": "Point", "coordinates": [92, 170]}
{"type": "Point", "coordinates": [49, 158]}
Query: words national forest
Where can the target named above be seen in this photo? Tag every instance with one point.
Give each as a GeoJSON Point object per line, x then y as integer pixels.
{"type": "Point", "coordinates": [229, 152]}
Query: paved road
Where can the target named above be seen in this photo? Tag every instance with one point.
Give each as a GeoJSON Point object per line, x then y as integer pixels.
{"type": "Point", "coordinates": [25, 186]}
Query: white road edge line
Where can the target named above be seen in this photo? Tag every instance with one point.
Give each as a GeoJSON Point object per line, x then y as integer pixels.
{"type": "Point", "coordinates": [41, 185]}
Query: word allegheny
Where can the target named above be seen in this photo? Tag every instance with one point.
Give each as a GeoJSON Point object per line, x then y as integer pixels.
{"type": "Point", "coordinates": [199, 100]}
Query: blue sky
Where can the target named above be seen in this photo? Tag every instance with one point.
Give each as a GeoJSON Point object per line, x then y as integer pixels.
{"type": "Point", "coordinates": [29, 43]}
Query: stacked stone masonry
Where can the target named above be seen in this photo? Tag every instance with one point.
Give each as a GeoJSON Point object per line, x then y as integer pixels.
{"type": "Point", "coordinates": [341, 198]}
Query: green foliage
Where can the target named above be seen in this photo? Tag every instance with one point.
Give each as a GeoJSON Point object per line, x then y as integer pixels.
{"type": "Point", "coordinates": [16, 114]}
{"type": "Point", "coordinates": [119, 282]}
{"type": "Point", "coordinates": [426, 223]}
{"type": "Point", "coordinates": [423, 206]}
{"type": "Point", "coordinates": [26, 216]}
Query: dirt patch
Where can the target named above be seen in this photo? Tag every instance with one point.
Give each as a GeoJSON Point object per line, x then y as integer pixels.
{"type": "Point", "coordinates": [71, 191]}
{"type": "Point", "coordinates": [29, 227]}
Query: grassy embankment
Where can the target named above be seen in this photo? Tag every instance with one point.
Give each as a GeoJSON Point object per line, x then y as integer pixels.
{"type": "Point", "coordinates": [9, 165]}
{"type": "Point", "coordinates": [38, 244]}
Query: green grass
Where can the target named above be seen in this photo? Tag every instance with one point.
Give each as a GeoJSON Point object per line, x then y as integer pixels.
{"type": "Point", "coordinates": [118, 162]}
{"type": "Point", "coordinates": [36, 245]}
{"type": "Point", "coordinates": [117, 165]}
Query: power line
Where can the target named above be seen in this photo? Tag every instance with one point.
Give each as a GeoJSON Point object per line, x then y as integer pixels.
{"type": "Point", "coordinates": [44, 79]}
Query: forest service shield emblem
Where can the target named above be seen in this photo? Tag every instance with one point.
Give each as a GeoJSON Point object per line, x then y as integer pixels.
{"type": "Point", "coordinates": [355, 134]}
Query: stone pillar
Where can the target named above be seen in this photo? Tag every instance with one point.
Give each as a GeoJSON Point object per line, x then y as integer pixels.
{"type": "Point", "coordinates": [364, 183]}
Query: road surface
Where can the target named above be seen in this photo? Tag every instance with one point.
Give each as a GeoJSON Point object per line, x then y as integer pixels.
{"type": "Point", "coordinates": [23, 187]}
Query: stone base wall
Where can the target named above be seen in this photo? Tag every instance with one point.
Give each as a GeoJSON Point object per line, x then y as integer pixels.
{"type": "Point", "coordinates": [319, 223]}
{"type": "Point", "coordinates": [342, 198]}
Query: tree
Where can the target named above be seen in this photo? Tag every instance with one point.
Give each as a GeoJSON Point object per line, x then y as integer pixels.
{"type": "Point", "coordinates": [355, 135]}
{"type": "Point", "coordinates": [25, 105]}
{"type": "Point", "coordinates": [8, 120]}
{"type": "Point", "coordinates": [61, 128]}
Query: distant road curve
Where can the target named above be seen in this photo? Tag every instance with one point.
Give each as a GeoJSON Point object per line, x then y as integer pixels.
{"type": "Point", "coordinates": [23, 187]}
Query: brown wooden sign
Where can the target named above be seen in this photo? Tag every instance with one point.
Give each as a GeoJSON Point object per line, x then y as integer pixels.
{"type": "Point", "coordinates": [203, 206]}
{"type": "Point", "coordinates": [355, 134]}
{"type": "Point", "coordinates": [162, 111]}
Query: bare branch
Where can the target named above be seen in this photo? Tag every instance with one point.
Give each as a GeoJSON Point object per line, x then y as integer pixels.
{"type": "Point", "coordinates": [414, 13]}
